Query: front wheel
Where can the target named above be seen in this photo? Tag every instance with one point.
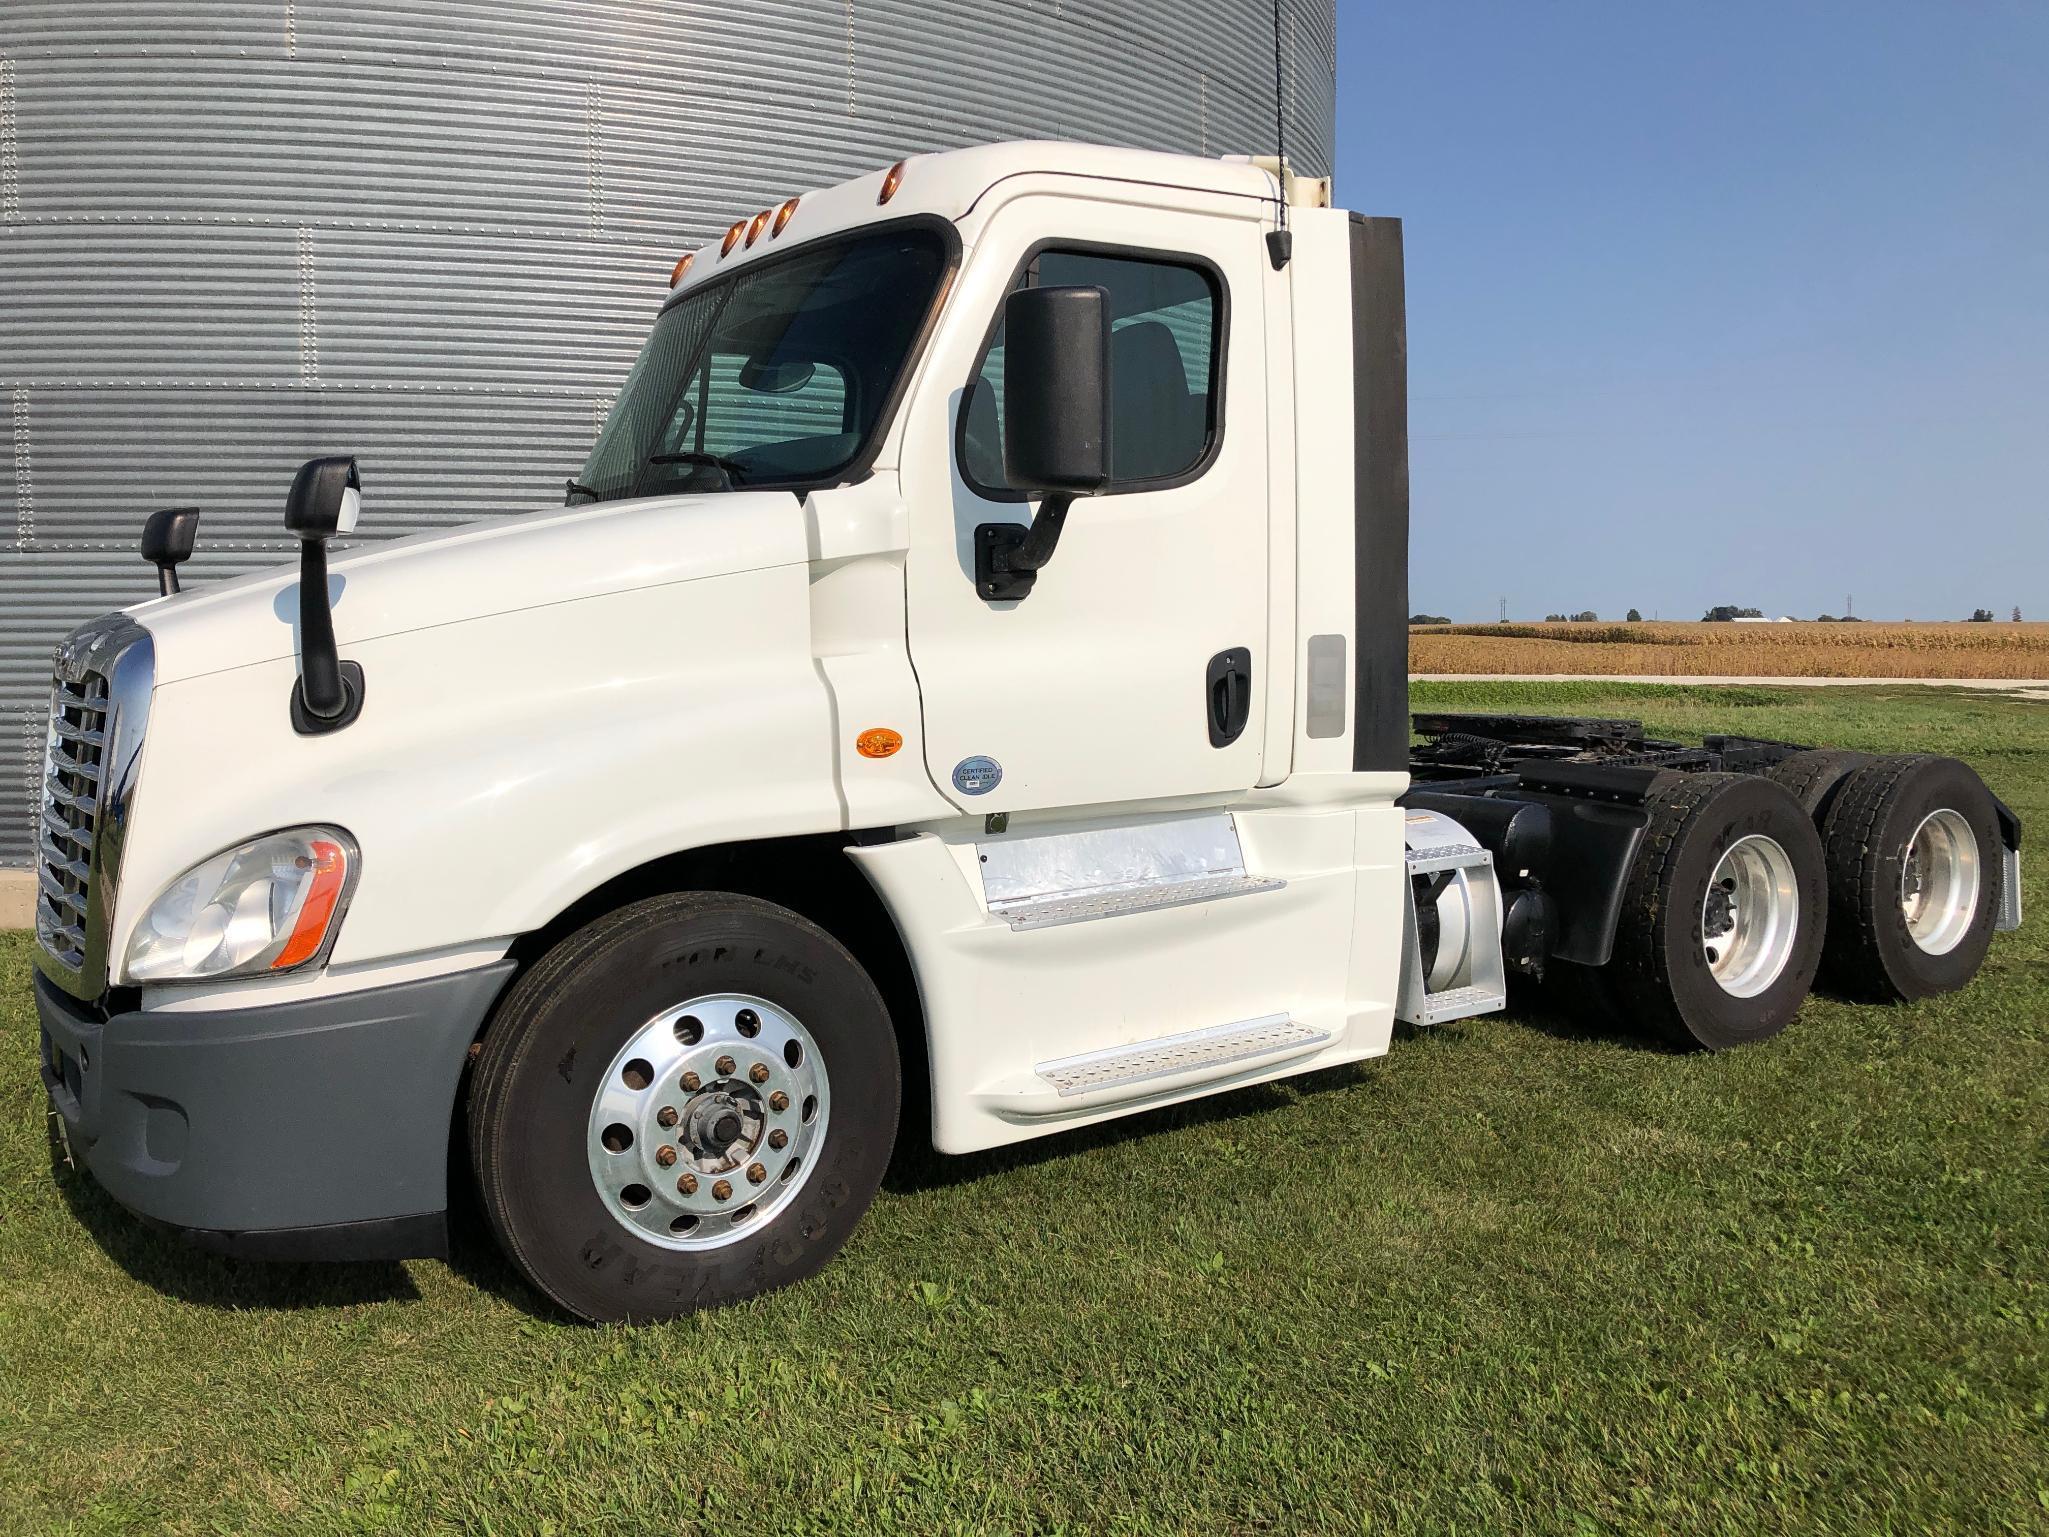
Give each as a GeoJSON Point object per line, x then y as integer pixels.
{"type": "Point", "coordinates": [1723, 912]}
{"type": "Point", "coordinates": [686, 1103]}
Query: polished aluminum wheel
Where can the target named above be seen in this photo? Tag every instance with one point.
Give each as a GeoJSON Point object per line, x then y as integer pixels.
{"type": "Point", "coordinates": [1939, 882]}
{"type": "Point", "coordinates": [709, 1121]}
{"type": "Point", "coordinates": [1750, 916]}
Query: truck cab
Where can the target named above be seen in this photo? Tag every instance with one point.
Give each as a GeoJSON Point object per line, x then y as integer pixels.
{"type": "Point", "coordinates": [966, 684]}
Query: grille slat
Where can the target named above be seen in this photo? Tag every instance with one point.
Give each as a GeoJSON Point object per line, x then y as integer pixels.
{"type": "Point", "coordinates": [56, 827]}
{"type": "Point", "coordinates": [56, 866]}
{"type": "Point", "coordinates": [71, 803]}
{"type": "Point", "coordinates": [57, 894]}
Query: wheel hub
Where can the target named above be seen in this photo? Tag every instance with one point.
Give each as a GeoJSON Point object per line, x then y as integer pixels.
{"type": "Point", "coordinates": [721, 1126]}
{"type": "Point", "coordinates": [1939, 882]}
{"type": "Point", "coordinates": [708, 1121]}
{"type": "Point", "coordinates": [1750, 916]}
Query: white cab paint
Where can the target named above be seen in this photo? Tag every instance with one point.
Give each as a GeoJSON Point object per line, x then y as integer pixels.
{"type": "Point", "coordinates": [558, 698]}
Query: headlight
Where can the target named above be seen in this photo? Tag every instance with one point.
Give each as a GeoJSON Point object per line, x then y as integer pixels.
{"type": "Point", "coordinates": [267, 906]}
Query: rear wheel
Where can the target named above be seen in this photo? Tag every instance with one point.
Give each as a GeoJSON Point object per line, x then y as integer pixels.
{"type": "Point", "coordinates": [688, 1102]}
{"type": "Point", "coordinates": [1723, 912]}
{"type": "Point", "coordinates": [1813, 777]}
{"type": "Point", "coordinates": [1914, 861]}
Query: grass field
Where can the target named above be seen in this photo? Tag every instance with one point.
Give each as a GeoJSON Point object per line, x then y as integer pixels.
{"type": "Point", "coordinates": [1513, 1278]}
{"type": "Point", "coordinates": [1736, 650]}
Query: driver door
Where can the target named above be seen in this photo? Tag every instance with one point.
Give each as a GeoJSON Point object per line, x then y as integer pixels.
{"type": "Point", "coordinates": [1135, 670]}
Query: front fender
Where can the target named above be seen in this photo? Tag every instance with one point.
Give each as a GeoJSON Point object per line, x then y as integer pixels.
{"type": "Point", "coordinates": [505, 765]}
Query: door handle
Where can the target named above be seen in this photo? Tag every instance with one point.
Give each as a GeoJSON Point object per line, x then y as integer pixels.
{"type": "Point", "coordinates": [1227, 689]}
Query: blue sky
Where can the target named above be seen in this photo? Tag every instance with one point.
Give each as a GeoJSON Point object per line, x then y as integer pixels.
{"type": "Point", "coordinates": [1716, 303]}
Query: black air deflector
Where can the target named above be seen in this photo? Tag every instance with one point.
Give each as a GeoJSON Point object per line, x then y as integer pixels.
{"type": "Point", "coordinates": [1380, 489]}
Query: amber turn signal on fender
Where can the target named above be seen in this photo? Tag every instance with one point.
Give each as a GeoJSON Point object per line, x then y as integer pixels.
{"type": "Point", "coordinates": [878, 742]}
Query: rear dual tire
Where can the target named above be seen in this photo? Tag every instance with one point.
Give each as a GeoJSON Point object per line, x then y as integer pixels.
{"type": "Point", "coordinates": [1723, 914]}
{"type": "Point", "coordinates": [1915, 862]}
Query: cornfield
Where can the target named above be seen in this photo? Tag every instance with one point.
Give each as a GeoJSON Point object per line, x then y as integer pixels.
{"type": "Point", "coordinates": [1860, 650]}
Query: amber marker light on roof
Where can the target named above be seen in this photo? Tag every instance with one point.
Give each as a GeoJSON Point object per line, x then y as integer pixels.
{"type": "Point", "coordinates": [782, 217]}
{"type": "Point", "coordinates": [755, 226]}
{"type": "Point", "coordinates": [732, 237]}
{"type": "Point", "coordinates": [677, 272]}
{"type": "Point", "coordinates": [892, 180]}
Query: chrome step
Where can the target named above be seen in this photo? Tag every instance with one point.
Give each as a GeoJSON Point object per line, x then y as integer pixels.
{"type": "Point", "coordinates": [1467, 975]}
{"type": "Point", "coordinates": [1051, 911]}
{"type": "Point", "coordinates": [1168, 1056]}
{"type": "Point", "coordinates": [1458, 1003]}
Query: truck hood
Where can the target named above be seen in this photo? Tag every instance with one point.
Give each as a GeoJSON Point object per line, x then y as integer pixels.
{"type": "Point", "coordinates": [495, 566]}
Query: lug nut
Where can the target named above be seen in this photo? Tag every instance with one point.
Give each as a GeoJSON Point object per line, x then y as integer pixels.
{"type": "Point", "coordinates": [692, 1083]}
{"type": "Point", "coordinates": [686, 1184]}
{"type": "Point", "coordinates": [758, 1072]}
{"type": "Point", "coordinates": [666, 1116]}
{"type": "Point", "coordinates": [665, 1156]}
{"type": "Point", "coordinates": [779, 1139]}
{"type": "Point", "coordinates": [779, 1101]}
{"type": "Point", "coordinates": [722, 1191]}
{"type": "Point", "coordinates": [726, 1065]}
{"type": "Point", "coordinates": [756, 1173]}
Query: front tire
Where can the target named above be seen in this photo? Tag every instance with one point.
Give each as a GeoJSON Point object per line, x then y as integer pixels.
{"type": "Point", "coordinates": [1723, 913]}
{"type": "Point", "coordinates": [687, 1103]}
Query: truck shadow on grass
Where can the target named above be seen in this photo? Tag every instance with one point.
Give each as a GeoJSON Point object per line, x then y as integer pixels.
{"type": "Point", "coordinates": [167, 1263]}
{"type": "Point", "coordinates": [917, 1167]}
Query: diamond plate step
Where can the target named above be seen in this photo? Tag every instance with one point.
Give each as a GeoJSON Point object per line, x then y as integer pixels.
{"type": "Point", "coordinates": [1459, 1003]}
{"type": "Point", "coordinates": [1051, 911]}
{"type": "Point", "coordinates": [1167, 1056]}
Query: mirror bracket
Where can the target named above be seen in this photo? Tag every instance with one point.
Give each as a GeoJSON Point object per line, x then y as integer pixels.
{"type": "Point", "coordinates": [306, 723]}
{"type": "Point", "coordinates": [1008, 556]}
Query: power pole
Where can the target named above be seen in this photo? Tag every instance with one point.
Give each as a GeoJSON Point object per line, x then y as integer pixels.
{"type": "Point", "coordinates": [1850, 606]}
{"type": "Point", "coordinates": [1504, 612]}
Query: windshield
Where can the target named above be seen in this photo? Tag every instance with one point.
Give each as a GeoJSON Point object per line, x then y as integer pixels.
{"type": "Point", "coordinates": [774, 377]}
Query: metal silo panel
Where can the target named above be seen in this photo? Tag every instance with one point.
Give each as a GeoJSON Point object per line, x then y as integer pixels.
{"type": "Point", "coordinates": [238, 235]}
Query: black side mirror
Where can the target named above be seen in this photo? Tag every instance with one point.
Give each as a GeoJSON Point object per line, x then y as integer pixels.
{"type": "Point", "coordinates": [1056, 395]}
{"type": "Point", "coordinates": [326, 499]}
{"type": "Point", "coordinates": [1056, 426]}
{"type": "Point", "coordinates": [167, 540]}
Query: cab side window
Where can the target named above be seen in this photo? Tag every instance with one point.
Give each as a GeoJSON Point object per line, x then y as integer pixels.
{"type": "Point", "coordinates": [1166, 371]}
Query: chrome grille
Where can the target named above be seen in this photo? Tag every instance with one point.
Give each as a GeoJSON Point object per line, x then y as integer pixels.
{"type": "Point", "coordinates": [99, 709]}
{"type": "Point", "coordinates": [73, 764]}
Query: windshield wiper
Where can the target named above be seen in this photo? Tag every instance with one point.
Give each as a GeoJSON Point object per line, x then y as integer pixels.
{"type": "Point", "coordinates": [578, 488]}
{"type": "Point", "coordinates": [734, 470]}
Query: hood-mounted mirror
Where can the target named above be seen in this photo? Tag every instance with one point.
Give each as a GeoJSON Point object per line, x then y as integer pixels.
{"type": "Point", "coordinates": [167, 541]}
{"type": "Point", "coordinates": [326, 499]}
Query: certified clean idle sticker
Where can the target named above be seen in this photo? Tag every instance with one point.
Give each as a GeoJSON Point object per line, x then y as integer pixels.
{"type": "Point", "coordinates": [977, 775]}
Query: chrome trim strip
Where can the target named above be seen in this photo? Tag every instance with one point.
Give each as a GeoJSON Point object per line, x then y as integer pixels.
{"type": "Point", "coordinates": [121, 651]}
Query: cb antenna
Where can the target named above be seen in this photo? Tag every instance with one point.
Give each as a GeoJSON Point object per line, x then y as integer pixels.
{"type": "Point", "coordinates": [1280, 243]}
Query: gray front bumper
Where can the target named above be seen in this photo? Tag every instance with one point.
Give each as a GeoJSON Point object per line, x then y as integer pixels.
{"type": "Point", "coordinates": [316, 1129]}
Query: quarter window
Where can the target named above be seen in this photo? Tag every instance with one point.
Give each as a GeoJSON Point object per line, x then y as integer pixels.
{"type": "Point", "coordinates": [1166, 366]}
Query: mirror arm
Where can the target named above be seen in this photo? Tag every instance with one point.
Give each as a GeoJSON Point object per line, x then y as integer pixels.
{"type": "Point", "coordinates": [1041, 539]}
{"type": "Point", "coordinates": [321, 686]}
{"type": "Point", "coordinates": [1008, 558]}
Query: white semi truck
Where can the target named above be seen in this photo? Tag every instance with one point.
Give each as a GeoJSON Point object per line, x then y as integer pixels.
{"type": "Point", "coordinates": [969, 672]}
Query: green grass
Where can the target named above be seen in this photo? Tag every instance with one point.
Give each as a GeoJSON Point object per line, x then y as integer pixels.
{"type": "Point", "coordinates": [1510, 1278]}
